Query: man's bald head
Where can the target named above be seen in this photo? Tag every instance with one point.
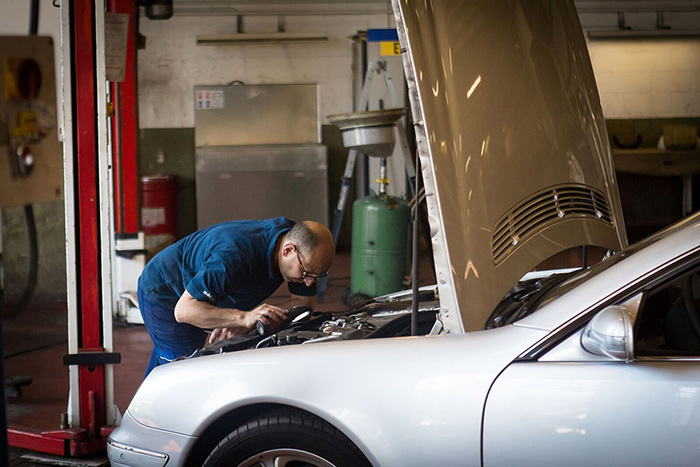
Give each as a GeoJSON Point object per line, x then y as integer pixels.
{"type": "Point", "coordinates": [315, 242]}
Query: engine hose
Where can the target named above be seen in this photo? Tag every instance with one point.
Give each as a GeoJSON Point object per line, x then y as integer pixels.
{"type": "Point", "coordinates": [12, 309]}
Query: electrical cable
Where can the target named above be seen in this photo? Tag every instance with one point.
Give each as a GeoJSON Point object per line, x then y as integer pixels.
{"type": "Point", "coordinates": [34, 18]}
{"type": "Point", "coordinates": [416, 254]}
{"type": "Point", "coordinates": [12, 309]}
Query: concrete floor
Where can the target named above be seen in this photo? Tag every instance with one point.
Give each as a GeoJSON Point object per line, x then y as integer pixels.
{"type": "Point", "coordinates": [34, 342]}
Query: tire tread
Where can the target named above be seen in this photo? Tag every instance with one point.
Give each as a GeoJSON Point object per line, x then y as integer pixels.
{"type": "Point", "coordinates": [286, 420]}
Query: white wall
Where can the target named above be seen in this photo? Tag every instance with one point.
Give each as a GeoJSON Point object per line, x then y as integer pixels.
{"type": "Point", "coordinates": [647, 79]}
{"type": "Point", "coordinates": [173, 64]}
{"type": "Point", "coordinates": [636, 78]}
{"type": "Point", "coordinates": [14, 18]}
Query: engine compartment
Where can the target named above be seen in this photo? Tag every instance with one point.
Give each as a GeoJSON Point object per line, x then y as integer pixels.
{"type": "Point", "coordinates": [386, 316]}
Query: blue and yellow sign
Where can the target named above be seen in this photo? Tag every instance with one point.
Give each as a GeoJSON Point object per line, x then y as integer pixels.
{"type": "Point", "coordinates": [388, 41]}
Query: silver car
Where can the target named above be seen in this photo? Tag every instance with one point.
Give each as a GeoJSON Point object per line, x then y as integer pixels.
{"type": "Point", "coordinates": [597, 366]}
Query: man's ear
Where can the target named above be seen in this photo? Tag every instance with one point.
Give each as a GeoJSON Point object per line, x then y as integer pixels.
{"type": "Point", "coordinates": [287, 249]}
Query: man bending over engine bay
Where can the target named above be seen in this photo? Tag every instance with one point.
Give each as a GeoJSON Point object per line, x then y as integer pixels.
{"type": "Point", "coordinates": [219, 277]}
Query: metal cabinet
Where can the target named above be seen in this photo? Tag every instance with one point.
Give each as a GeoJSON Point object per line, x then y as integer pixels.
{"type": "Point", "coordinates": [257, 153]}
{"type": "Point", "coordinates": [257, 182]}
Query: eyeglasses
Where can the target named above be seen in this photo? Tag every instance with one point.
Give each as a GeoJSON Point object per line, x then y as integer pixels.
{"type": "Point", "coordinates": [304, 272]}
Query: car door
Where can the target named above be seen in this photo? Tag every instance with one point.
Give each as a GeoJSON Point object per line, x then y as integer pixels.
{"type": "Point", "coordinates": [571, 407]}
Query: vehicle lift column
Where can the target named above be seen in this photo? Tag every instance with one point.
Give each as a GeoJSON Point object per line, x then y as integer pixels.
{"type": "Point", "coordinates": [125, 130]}
{"type": "Point", "coordinates": [129, 241]}
{"type": "Point", "coordinates": [88, 200]}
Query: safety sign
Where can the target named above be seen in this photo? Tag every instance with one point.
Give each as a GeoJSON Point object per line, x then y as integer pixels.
{"type": "Point", "coordinates": [210, 99]}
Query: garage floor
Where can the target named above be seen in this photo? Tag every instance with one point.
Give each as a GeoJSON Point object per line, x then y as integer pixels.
{"type": "Point", "coordinates": [35, 341]}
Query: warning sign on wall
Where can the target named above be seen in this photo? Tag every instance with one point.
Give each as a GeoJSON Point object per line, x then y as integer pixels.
{"type": "Point", "coordinates": [210, 99]}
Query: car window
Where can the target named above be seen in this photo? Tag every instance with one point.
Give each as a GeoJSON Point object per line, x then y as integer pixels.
{"type": "Point", "coordinates": [668, 321]}
{"type": "Point", "coordinates": [663, 325]}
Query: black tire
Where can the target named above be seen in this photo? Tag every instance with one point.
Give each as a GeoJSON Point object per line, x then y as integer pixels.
{"type": "Point", "coordinates": [292, 438]}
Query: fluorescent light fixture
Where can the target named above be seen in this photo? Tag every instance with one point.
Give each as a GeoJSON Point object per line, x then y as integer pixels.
{"type": "Point", "coordinates": [272, 38]}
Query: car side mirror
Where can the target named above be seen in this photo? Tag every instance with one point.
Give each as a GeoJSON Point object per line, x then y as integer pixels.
{"type": "Point", "coordinates": [609, 333]}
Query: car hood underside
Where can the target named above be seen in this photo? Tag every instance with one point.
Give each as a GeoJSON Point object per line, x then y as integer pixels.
{"type": "Point", "coordinates": [512, 143]}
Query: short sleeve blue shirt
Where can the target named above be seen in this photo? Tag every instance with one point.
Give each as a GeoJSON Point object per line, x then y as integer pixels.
{"type": "Point", "coordinates": [230, 265]}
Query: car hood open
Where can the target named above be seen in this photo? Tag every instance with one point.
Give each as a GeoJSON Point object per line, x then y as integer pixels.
{"type": "Point", "coordinates": [512, 142]}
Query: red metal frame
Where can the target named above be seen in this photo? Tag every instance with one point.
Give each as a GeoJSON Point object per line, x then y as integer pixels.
{"type": "Point", "coordinates": [37, 442]}
{"type": "Point", "coordinates": [92, 434]}
{"type": "Point", "coordinates": [125, 130]}
{"type": "Point", "coordinates": [88, 207]}
{"type": "Point", "coordinates": [116, 160]}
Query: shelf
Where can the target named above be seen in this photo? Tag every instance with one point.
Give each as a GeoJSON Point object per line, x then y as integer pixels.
{"type": "Point", "coordinates": [657, 162]}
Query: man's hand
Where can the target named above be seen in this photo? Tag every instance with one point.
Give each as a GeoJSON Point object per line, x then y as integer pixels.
{"type": "Point", "coordinates": [220, 334]}
{"type": "Point", "coordinates": [265, 313]}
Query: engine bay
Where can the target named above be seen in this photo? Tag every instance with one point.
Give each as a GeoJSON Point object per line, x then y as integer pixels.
{"type": "Point", "coordinates": [386, 316]}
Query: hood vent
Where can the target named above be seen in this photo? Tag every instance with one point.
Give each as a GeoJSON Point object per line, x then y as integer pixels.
{"type": "Point", "coordinates": [543, 210]}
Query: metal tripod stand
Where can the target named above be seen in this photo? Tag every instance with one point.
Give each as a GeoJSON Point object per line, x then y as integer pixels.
{"type": "Point", "coordinates": [376, 68]}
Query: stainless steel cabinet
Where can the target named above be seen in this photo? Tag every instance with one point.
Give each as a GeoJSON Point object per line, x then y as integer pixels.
{"type": "Point", "coordinates": [257, 153]}
{"type": "Point", "coordinates": [257, 182]}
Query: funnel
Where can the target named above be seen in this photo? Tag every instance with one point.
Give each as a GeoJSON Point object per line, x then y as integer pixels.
{"type": "Point", "coordinates": [371, 132]}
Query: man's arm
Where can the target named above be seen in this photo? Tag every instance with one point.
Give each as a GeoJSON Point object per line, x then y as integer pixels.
{"type": "Point", "coordinates": [207, 316]}
{"type": "Point", "coordinates": [225, 332]}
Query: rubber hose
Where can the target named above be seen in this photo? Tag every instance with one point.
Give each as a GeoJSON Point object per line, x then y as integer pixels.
{"type": "Point", "coordinates": [12, 309]}
{"type": "Point", "coordinates": [34, 18]}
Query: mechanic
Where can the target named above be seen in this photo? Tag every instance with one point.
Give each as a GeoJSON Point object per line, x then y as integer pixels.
{"type": "Point", "coordinates": [218, 278]}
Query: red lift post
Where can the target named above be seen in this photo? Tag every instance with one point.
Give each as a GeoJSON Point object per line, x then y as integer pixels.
{"type": "Point", "coordinates": [125, 131]}
{"type": "Point", "coordinates": [90, 437]}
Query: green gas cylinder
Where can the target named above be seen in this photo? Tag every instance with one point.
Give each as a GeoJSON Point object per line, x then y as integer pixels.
{"type": "Point", "coordinates": [380, 245]}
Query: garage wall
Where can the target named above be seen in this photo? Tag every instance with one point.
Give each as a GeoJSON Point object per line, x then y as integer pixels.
{"type": "Point", "coordinates": [173, 64]}
{"type": "Point", "coordinates": [49, 216]}
{"type": "Point", "coordinates": [636, 78]}
{"type": "Point", "coordinates": [647, 79]}
{"type": "Point", "coordinates": [14, 21]}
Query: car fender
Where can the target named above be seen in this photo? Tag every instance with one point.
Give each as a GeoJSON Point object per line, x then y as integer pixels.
{"type": "Point", "coordinates": [401, 401]}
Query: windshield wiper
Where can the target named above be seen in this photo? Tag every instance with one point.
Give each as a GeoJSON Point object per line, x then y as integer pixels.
{"type": "Point", "coordinates": [523, 299]}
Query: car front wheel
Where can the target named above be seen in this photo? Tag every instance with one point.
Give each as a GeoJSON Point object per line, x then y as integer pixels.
{"type": "Point", "coordinates": [289, 438]}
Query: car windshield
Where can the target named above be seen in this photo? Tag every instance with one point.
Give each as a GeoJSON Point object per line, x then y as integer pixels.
{"type": "Point", "coordinates": [529, 295]}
